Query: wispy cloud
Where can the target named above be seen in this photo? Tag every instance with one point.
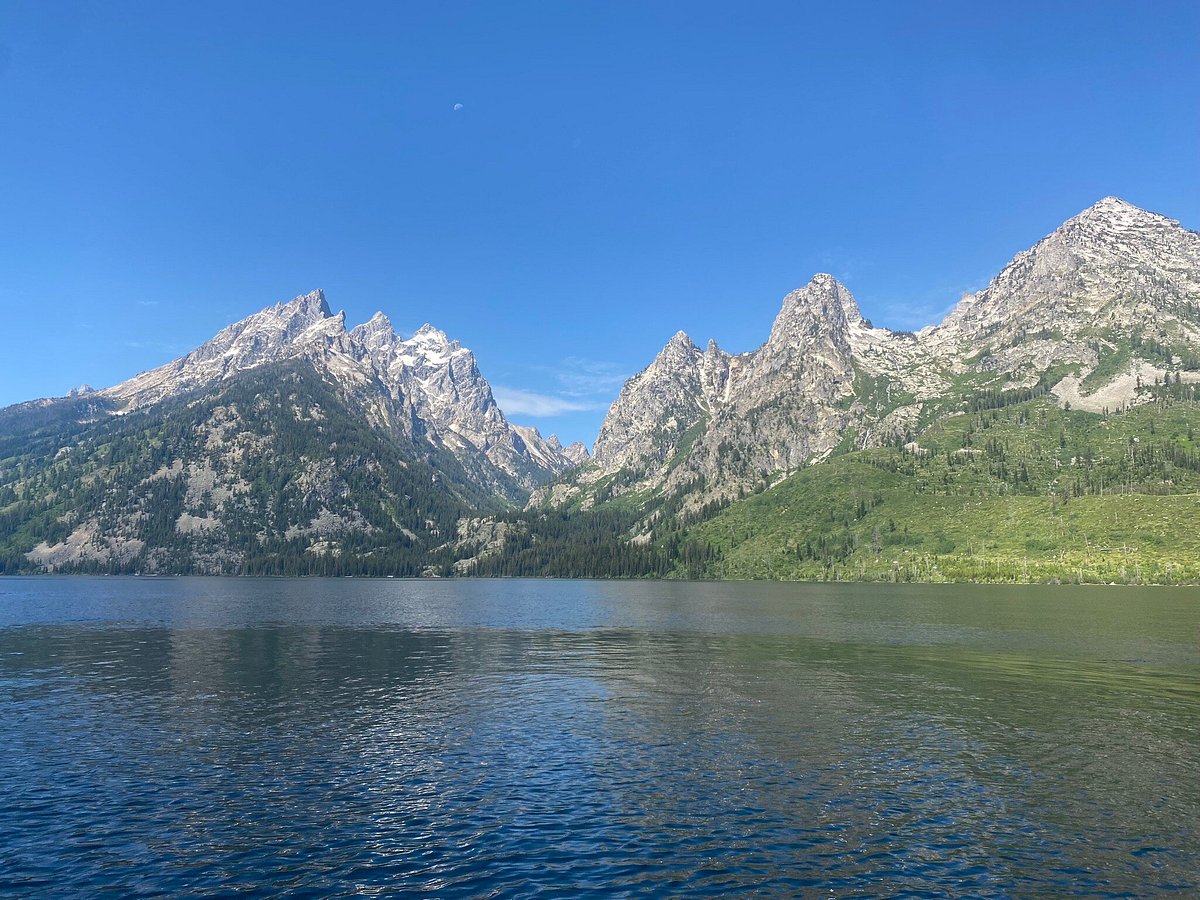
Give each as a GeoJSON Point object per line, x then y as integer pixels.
{"type": "Point", "coordinates": [146, 302]}
{"type": "Point", "coordinates": [930, 309]}
{"type": "Point", "coordinates": [583, 385]}
{"type": "Point", "coordinates": [515, 401]}
{"type": "Point", "coordinates": [588, 377]}
{"type": "Point", "coordinates": [912, 316]}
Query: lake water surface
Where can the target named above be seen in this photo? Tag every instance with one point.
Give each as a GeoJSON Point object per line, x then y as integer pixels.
{"type": "Point", "coordinates": [497, 738]}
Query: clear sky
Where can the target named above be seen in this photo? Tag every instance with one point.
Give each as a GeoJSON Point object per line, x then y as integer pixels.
{"type": "Point", "coordinates": [560, 186]}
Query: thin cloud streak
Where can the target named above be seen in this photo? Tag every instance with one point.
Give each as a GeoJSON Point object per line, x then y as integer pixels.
{"type": "Point", "coordinates": [587, 377]}
{"type": "Point", "coordinates": [515, 401]}
{"type": "Point", "coordinates": [932, 309]}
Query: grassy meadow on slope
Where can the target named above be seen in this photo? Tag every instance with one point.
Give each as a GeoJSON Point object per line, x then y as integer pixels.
{"type": "Point", "coordinates": [1023, 492]}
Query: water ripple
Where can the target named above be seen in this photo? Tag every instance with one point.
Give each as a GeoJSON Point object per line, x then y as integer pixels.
{"type": "Point", "coordinates": [594, 758]}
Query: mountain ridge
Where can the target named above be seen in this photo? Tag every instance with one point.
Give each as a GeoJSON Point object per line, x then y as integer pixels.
{"type": "Point", "coordinates": [825, 375]}
{"type": "Point", "coordinates": [424, 387]}
{"type": "Point", "coordinates": [289, 444]}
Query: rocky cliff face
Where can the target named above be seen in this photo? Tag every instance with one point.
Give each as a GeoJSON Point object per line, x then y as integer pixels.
{"type": "Point", "coordinates": [657, 407]}
{"type": "Point", "coordinates": [1113, 265]}
{"type": "Point", "coordinates": [427, 389]}
{"type": "Point", "coordinates": [1110, 297]}
{"type": "Point", "coordinates": [1108, 273]}
{"type": "Point", "coordinates": [267, 336]}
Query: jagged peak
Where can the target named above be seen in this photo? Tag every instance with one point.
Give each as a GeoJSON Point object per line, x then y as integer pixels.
{"type": "Point", "coordinates": [280, 324]}
{"type": "Point", "coordinates": [820, 285]}
{"type": "Point", "coordinates": [293, 315]}
{"type": "Point", "coordinates": [1112, 206]}
{"type": "Point", "coordinates": [824, 297]}
{"type": "Point", "coordinates": [1113, 215]}
{"type": "Point", "coordinates": [430, 346]}
{"type": "Point", "coordinates": [428, 332]}
{"type": "Point", "coordinates": [1108, 206]}
{"type": "Point", "coordinates": [380, 320]}
{"type": "Point", "coordinates": [1110, 236]}
{"type": "Point", "coordinates": [823, 280]}
{"type": "Point", "coordinates": [676, 350]}
{"type": "Point", "coordinates": [313, 303]}
{"type": "Point", "coordinates": [376, 330]}
{"type": "Point", "coordinates": [576, 451]}
{"type": "Point", "coordinates": [680, 339]}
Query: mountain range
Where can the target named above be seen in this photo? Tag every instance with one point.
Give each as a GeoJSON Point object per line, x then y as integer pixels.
{"type": "Point", "coordinates": [426, 389]}
{"type": "Point", "coordinates": [289, 443]}
{"type": "Point", "coordinates": [826, 379]}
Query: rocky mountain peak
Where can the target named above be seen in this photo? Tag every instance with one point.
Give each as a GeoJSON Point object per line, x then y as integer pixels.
{"type": "Point", "coordinates": [378, 322]}
{"type": "Point", "coordinates": [1111, 266]}
{"type": "Point", "coordinates": [1111, 211]}
{"type": "Point", "coordinates": [1107, 284]}
{"type": "Point", "coordinates": [1109, 227]}
{"type": "Point", "coordinates": [1114, 205]}
{"type": "Point", "coordinates": [428, 346]}
{"type": "Point", "coordinates": [681, 339]}
{"type": "Point", "coordinates": [427, 387]}
{"type": "Point", "coordinates": [576, 452]}
{"type": "Point", "coordinates": [678, 351]}
{"type": "Point", "coordinates": [375, 334]}
{"type": "Point", "coordinates": [265, 336]}
{"type": "Point", "coordinates": [824, 309]}
{"type": "Point", "coordinates": [654, 407]}
{"type": "Point", "coordinates": [261, 334]}
{"type": "Point", "coordinates": [308, 307]}
{"type": "Point", "coordinates": [1114, 224]}
{"type": "Point", "coordinates": [430, 335]}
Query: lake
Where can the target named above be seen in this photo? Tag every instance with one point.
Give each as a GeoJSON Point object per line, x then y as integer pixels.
{"type": "Point", "coordinates": [498, 738]}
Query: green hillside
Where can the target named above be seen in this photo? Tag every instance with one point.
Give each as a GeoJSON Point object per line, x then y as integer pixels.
{"type": "Point", "coordinates": [1018, 492]}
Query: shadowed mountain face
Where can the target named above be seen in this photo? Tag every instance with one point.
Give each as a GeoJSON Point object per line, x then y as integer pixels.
{"type": "Point", "coordinates": [1108, 302]}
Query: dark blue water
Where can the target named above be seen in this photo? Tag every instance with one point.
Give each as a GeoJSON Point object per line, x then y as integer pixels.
{"type": "Point", "coordinates": [199, 736]}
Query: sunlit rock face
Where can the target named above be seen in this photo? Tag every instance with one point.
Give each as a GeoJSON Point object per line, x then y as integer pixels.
{"type": "Point", "coordinates": [1113, 280]}
{"type": "Point", "coordinates": [425, 388]}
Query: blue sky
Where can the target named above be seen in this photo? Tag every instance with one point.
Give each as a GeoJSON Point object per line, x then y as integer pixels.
{"type": "Point", "coordinates": [616, 171]}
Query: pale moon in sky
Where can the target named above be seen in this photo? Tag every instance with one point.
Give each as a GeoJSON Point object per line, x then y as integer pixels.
{"type": "Point", "coordinates": [457, 107]}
